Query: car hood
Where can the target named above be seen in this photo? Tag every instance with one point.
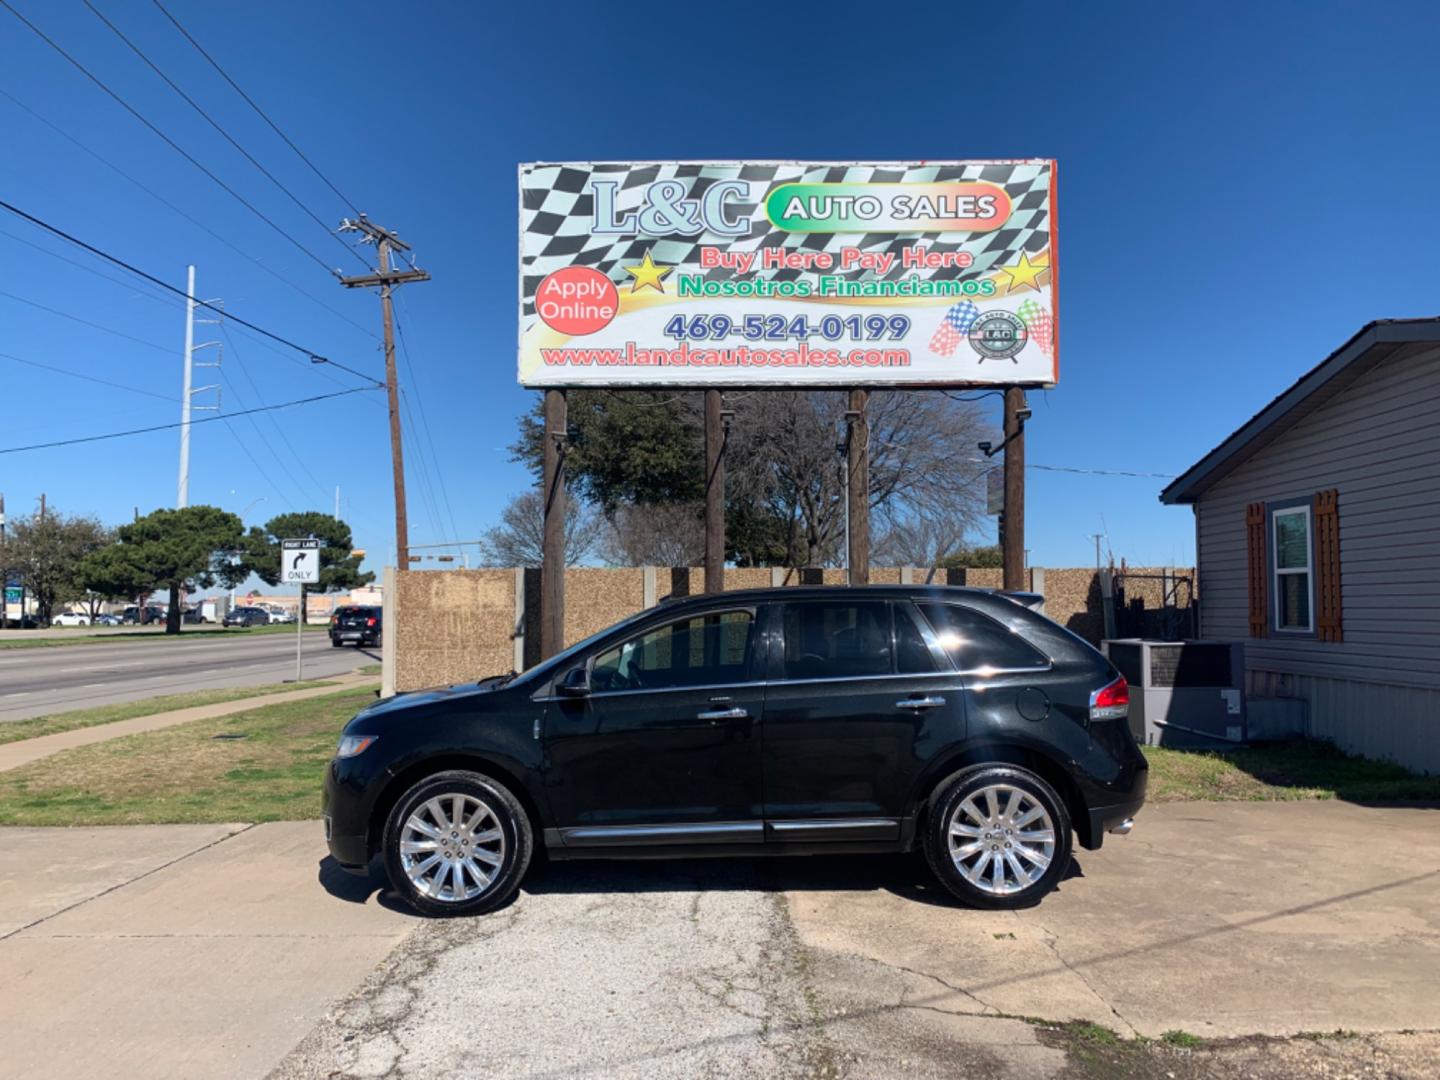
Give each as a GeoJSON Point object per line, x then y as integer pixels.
{"type": "Point", "coordinates": [419, 699]}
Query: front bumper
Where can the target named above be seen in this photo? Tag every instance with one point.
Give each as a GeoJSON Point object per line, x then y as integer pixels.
{"type": "Point", "coordinates": [345, 807]}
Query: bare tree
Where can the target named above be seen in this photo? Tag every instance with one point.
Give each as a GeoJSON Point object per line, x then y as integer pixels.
{"type": "Point", "coordinates": [519, 538]}
{"type": "Point", "coordinates": [665, 534]}
{"type": "Point", "coordinates": [785, 466]}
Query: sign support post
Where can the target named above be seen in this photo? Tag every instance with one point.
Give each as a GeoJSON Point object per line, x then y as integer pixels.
{"type": "Point", "coordinates": [716, 433]}
{"type": "Point", "coordinates": [552, 547]}
{"type": "Point", "coordinates": [300, 565]}
{"type": "Point", "coordinates": [1012, 535]}
{"type": "Point", "coordinates": [857, 489]}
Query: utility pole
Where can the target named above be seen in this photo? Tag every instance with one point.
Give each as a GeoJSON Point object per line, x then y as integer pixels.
{"type": "Point", "coordinates": [717, 434]}
{"type": "Point", "coordinates": [857, 489]}
{"type": "Point", "coordinates": [385, 242]}
{"type": "Point", "coordinates": [1012, 537]}
{"type": "Point", "coordinates": [337, 502]}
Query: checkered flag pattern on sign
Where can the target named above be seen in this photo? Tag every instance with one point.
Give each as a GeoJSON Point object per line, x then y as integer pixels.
{"type": "Point", "coordinates": [557, 204]}
{"type": "Point", "coordinates": [1038, 323]}
{"type": "Point", "coordinates": [953, 328]}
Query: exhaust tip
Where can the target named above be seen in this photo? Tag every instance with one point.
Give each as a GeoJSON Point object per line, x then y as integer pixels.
{"type": "Point", "coordinates": [1123, 829]}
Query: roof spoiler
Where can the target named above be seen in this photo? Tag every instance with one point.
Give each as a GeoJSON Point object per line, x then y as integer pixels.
{"type": "Point", "coordinates": [1031, 600]}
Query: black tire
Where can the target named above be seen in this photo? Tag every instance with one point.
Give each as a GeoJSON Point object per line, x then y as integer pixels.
{"type": "Point", "coordinates": [514, 846]}
{"type": "Point", "coordinates": [334, 644]}
{"type": "Point", "coordinates": [1017, 848]}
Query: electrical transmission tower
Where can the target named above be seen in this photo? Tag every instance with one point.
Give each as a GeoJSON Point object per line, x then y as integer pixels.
{"type": "Point", "coordinates": [187, 405]}
{"type": "Point", "coordinates": [386, 279]}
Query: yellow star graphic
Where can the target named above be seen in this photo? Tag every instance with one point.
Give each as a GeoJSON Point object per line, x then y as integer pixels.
{"type": "Point", "coordinates": [647, 274]}
{"type": "Point", "coordinates": [1023, 273]}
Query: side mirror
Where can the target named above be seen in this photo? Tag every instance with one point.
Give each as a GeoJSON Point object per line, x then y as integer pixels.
{"type": "Point", "coordinates": [576, 683]}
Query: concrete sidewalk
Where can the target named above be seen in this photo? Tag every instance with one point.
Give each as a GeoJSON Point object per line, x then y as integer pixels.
{"type": "Point", "coordinates": [186, 951]}
{"type": "Point", "coordinates": [15, 754]}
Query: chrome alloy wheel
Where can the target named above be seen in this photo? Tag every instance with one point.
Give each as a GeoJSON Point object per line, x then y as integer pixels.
{"type": "Point", "coordinates": [452, 847]}
{"type": "Point", "coordinates": [1002, 839]}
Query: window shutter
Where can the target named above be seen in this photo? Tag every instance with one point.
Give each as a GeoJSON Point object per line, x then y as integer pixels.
{"type": "Point", "coordinates": [1327, 564]}
{"type": "Point", "coordinates": [1259, 576]}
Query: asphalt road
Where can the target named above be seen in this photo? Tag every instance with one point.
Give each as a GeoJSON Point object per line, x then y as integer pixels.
{"type": "Point", "coordinates": [36, 682]}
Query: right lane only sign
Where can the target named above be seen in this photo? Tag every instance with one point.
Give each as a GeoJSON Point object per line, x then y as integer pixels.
{"type": "Point", "coordinates": [300, 562]}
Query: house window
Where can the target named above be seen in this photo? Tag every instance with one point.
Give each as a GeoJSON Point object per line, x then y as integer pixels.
{"type": "Point", "coordinates": [1292, 572]}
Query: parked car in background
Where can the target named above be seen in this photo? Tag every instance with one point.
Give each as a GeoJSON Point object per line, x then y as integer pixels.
{"type": "Point", "coordinates": [958, 722]}
{"type": "Point", "coordinates": [138, 616]}
{"type": "Point", "coordinates": [107, 619]}
{"type": "Point", "coordinates": [356, 625]}
{"type": "Point", "coordinates": [278, 614]}
{"type": "Point", "coordinates": [246, 616]}
{"type": "Point", "coordinates": [194, 614]}
{"type": "Point", "coordinates": [69, 618]}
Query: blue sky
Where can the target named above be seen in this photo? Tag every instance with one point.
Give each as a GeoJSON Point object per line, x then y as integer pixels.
{"type": "Point", "coordinates": [1241, 187]}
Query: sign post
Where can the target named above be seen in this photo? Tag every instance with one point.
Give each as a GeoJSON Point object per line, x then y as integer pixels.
{"type": "Point", "coordinates": [299, 565]}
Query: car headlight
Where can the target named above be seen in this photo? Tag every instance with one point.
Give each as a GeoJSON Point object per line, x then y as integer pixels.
{"type": "Point", "coordinates": [350, 745]}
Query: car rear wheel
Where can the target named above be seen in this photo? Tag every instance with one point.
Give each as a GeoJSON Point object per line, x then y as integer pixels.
{"type": "Point", "coordinates": [998, 836]}
{"type": "Point", "coordinates": [457, 843]}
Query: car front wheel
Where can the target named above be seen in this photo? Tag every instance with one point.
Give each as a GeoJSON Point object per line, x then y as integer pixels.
{"type": "Point", "coordinates": [998, 836]}
{"type": "Point", "coordinates": [457, 843]}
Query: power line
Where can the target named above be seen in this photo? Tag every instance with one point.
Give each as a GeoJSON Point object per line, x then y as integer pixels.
{"type": "Point", "coordinates": [168, 141]}
{"type": "Point", "coordinates": [261, 112]}
{"type": "Point", "coordinates": [86, 322]}
{"type": "Point", "coordinates": [425, 420]}
{"type": "Point", "coordinates": [255, 461]}
{"type": "Point", "coordinates": [175, 209]}
{"type": "Point", "coordinates": [314, 356]}
{"type": "Point", "coordinates": [170, 427]}
{"type": "Point", "coordinates": [90, 269]}
{"type": "Point", "coordinates": [216, 125]}
{"type": "Point", "coordinates": [299, 458]}
{"type": "Point", "coordinates": [87, 378]}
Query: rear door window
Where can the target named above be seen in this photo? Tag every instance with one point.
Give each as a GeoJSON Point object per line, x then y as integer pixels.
{"type": "Point", "coordinates": [836, 639]}
{"type": "Point", "coordinates": [976, 642]}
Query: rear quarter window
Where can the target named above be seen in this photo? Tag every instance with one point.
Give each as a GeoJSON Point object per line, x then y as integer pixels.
{"type": "Point", "coordinates": [975, 641]}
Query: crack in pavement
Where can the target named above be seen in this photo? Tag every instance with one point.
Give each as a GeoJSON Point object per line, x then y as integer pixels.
{"type": "Point", "coordinates": [1052, 942]}
{"type": "Point", "coordinates": [131, 881]}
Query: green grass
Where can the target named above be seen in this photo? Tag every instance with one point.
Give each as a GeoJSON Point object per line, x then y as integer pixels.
{"type": "Point", "coordinates": [55, 723]}
{"type": "Point", "coordinates": [368, 669]}
{"type": "Point", "coordinates": [89, 635]}
{"type": "Point", "coordinates": [1182, 1039]}
{"type": "Point", "coordinates": [1304, 769]}
{"type": "Point", "coordinates": [186, 774]}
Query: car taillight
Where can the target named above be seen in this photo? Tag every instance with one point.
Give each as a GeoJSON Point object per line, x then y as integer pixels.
{"type": "Point", "coordinates": [372, 620]}
{"type": "Point", "coordinates": [1111, 702]}
{"type": "Point", "coordinates": [334, 619]}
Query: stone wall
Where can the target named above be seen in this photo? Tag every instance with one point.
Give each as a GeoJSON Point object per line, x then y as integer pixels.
{"type": "Point", "coordinates": [460, 625]}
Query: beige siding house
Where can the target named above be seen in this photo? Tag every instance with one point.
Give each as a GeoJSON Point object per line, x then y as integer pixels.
{"type": "Point", "coordinates": [1317, 528]}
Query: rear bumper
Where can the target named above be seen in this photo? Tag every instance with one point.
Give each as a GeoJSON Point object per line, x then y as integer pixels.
{"type": "Point", "coordinates": [1110, 816]}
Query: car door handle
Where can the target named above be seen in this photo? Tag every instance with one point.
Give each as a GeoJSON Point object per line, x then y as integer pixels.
{"type": "Point", "coordinates": [920, 703]}
{"type": "Point", "coordinates": [717, 715]}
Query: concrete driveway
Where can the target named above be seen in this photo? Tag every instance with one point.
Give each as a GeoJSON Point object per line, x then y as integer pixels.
{"type": "Point", "coordinates": [215, 951]}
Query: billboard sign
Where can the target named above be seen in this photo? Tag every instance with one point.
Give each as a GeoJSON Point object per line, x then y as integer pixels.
{"type": "Point", "coordinates": [800, 274]}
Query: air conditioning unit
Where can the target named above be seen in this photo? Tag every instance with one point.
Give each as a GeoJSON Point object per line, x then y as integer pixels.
{"type": "Point", "coordinates": [1183, 693]}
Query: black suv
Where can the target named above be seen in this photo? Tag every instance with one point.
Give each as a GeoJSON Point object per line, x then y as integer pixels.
{"type": "Point", "coordinates": [778, 721]}
{"type": "Point", "coordinates": [360, 625]}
